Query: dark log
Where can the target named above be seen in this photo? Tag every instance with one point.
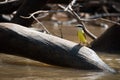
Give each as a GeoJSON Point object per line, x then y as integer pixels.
{"type": "Point", "coordinates": [25, 42]}
{"type": "Point", "coordinates": [109, 41]}
{"type": "Point", "coordinates": [9, 7]}
{"type": "Point", "coordinates": [25, 8]}
{"type": "Point", "coordinates": [28, 7]}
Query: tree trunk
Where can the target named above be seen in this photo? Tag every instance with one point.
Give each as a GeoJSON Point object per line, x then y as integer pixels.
{"type": "Point", "coordinates": [22, 41]}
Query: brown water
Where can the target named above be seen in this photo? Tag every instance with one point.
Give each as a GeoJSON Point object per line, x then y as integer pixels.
{"type": "Point", "coordinates": [18, 68]}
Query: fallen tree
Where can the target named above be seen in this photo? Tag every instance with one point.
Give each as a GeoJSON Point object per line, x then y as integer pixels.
{"type": "Point", "coordinates": [22, 41]}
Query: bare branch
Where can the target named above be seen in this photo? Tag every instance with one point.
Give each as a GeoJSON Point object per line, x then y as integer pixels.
{"type": "Point", "coordinates": [42, 11]}
{"type": "Point", "coordinates": [70, 5]}
{"type": "Point", "coordinates": [41, 24]}
{"type": "Point", "coordinates": [109, 21]}
{"type": "Point", "coordinates": [71, 11]}
{"type": "Point", "coordinates": [81, 19]}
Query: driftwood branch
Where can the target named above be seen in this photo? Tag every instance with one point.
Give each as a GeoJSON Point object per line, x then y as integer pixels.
{"type": "Point", "coordinates": [22, 41]}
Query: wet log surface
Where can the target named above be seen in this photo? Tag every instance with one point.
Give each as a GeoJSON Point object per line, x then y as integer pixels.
{"type": "Point", "coordinates": [22, 41]}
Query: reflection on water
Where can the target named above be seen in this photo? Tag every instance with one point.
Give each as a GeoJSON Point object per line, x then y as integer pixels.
{"type": "Point", "coordinates": [18, 68]}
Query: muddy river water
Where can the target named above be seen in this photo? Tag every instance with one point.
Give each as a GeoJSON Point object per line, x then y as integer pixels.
{"type": "Point", "coordinates": [19, 68]}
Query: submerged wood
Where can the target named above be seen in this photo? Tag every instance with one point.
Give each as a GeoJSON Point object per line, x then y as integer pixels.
{"type": "Point", "coordinates": [25, 42]}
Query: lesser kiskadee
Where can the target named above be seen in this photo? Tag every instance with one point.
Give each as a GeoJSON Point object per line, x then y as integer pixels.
{"type": "Point", "coordinates": [81, 34]}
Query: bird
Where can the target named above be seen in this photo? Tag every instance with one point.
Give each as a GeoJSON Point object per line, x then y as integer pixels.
{"type": "Point", "coordinates": [81, 34]}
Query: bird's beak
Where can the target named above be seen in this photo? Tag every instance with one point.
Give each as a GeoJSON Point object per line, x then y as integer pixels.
{"type": "Point", "coordinates": [89, 55]}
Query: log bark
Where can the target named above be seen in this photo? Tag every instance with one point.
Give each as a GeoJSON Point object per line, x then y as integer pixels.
{"type": "Point", "coordinates": [25, 42]}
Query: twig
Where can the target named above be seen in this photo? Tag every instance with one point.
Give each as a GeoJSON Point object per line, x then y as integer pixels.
{"type": "Point", "coordinates": [81, 19]}
{"type": "Point", "coordinates": [41, 24]}
{"type": "Point", "coordinates": [104, 15]}
{"type": "Point", "coordinates": [70, 5]}
{"type": "Point", "coordinates": [88, 32]}
{"type": "Point", "coordinates": [32, 16]}
{"type": "Point", "coordinates": [109, 21]}
{"type": "Point", "coordinates": [42, 16]}
{"type": "Point", "coordinates": [71, 11]}
{"type": "Point", "coordinates": [41, 11]}
{"type": "Point", "coordinates": [60, 29]}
